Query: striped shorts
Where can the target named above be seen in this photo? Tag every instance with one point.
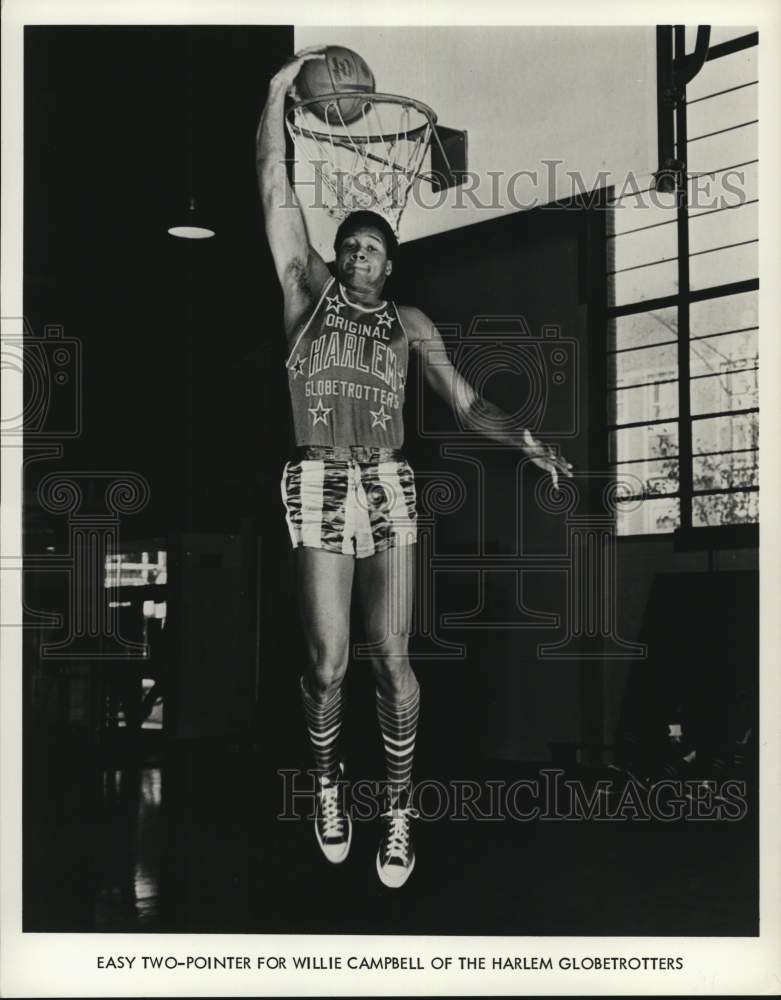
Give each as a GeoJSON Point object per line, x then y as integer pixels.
{"type": "Point", "coordinates": [355, 501]}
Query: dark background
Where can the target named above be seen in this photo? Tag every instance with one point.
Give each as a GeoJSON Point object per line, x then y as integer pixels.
{"type": "Point", "coordinates": [183, 382]}
{"type": "Point", "coordinates": [180, 337]}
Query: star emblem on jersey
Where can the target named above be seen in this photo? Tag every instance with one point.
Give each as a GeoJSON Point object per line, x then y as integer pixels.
{"type": "Point", "coordinates": [334, 303]}
{"type": "Point", "coordinates": [298, 366]}
{"type": "Point", "coordinates": [380, 417]}
{"type": "Point", "coordinates": [320, 413]}
{"type": "Point", "coordinates": [384, 318]}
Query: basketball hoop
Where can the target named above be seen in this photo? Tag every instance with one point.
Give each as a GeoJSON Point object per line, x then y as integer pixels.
{"type": "Point", "coordinates": [368, 160]}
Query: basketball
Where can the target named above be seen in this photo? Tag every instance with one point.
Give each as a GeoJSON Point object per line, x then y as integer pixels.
{"type": "Point", "coordinates": [342, 71]}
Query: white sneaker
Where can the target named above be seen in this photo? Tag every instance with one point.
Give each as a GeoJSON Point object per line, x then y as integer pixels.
{"type": "Point", "coordinates": [395, 858]}
{"type": "Point", "coordinates": [333, 826]}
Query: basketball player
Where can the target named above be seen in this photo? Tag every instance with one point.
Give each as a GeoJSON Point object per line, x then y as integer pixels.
{"type": "Point", "coordinates": [349, 494]}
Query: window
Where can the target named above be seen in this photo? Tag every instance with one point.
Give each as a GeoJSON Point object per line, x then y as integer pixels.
{"type": "Point", "coordinates": [135, 569]}
{"type": "Point", "coordinates": [683, 323]}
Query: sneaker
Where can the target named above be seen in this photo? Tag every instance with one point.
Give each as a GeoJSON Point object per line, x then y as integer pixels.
{"type": "Point", "coordinates": [333, 826]}
{"type": "Point", "coordinates": [395, 858]}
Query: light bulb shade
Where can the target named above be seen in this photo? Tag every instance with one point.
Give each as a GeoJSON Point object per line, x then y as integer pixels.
{"type": "Point", "coordinates": [193, 227]}
{"type": "Point", "coordinates": [191, 232]}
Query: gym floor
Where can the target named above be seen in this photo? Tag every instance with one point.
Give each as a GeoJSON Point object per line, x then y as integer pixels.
{"type": "Point", "coordinates": [190, 843]}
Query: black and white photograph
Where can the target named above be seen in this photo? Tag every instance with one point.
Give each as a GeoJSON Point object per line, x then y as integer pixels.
{"type": "Point", "coordinates": [382, 606]}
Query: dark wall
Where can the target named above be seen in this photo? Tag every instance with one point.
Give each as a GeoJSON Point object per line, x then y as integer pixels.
{"type": "Point", "coordinates": [180, 339]}
{"type": "Point", "coordinates": [642, 562]}
{"type": "Point", "coordinates": [181, 376]}
{"type": "Point", "coordinates": [530, 270]}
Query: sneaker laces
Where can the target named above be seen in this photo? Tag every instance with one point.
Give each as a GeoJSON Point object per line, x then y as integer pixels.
{"type": "Point", "coordinates": [396, 840]}
{"type": "Point", "coordinates": [331, 817]}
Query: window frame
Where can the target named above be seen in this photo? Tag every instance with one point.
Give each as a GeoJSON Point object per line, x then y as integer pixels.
{"type": "Point", "coordinates": [688, 536]}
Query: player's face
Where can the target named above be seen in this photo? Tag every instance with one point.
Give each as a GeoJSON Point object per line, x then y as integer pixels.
{"type": "Point", "coordinates": [362, 260]}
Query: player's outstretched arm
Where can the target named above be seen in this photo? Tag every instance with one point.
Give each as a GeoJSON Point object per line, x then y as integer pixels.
{"type": "Point", "coordinates": [475, 411]}
{"type": "Point", "coordinates": [301, 270]}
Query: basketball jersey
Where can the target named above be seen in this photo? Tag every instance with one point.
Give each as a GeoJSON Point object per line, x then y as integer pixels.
{"type": "Point", "coordinates": [347, 373]}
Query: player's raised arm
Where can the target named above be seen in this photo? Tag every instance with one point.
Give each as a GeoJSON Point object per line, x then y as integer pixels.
{"type": "Point", "coordinates": [301, 270]}
{"type": "Point", "coordinates": [477, 412]}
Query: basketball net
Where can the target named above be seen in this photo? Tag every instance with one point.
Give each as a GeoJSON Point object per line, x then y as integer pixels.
{"type": "Point", "coordinates": [365, 160]}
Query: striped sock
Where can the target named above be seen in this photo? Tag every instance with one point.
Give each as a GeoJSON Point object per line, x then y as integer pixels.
{"type": "Point", "coordinates": [398, 724]}
{"type": "Point", "coordinates": [324, 724]}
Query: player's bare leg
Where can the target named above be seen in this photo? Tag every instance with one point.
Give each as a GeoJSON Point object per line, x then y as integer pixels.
{"type": "Point", "coordinates": [386, 584]}
{"type": "Point", "coordinates": [324, 586]}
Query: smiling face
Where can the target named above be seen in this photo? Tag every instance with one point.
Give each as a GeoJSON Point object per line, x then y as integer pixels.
{"type": "Point", "coordinates": [362, 259]}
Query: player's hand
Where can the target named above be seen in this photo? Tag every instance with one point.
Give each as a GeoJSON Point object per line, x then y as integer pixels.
{"type": "Point", "coordinates": [546, 458]}
{"type": "Point", "coordinates": [286, 76]}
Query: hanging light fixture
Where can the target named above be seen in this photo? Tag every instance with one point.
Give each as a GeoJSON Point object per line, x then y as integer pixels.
{"type": "Point", "coordinates": [193, 227]}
